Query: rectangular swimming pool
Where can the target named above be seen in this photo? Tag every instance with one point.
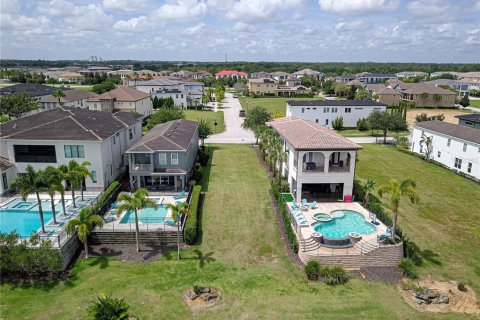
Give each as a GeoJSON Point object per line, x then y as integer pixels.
{"type": "Point", "coordinates": [147, 215]}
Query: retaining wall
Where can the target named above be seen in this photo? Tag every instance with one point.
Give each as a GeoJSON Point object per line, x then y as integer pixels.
{"type": "Point", "coordinates": [128, 237]}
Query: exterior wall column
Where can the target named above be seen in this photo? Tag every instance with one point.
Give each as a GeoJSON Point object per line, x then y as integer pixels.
{"type": "Point", "coordinates": [327, 155]}
{"type": "Point", "coordinates": [139, 183]}
{"type": "Point", "coordinates": [151, 162]}
{"type": "Point", "coordinates": [353, 156]}
{"type": "Point", "coordinates": [183, 182]}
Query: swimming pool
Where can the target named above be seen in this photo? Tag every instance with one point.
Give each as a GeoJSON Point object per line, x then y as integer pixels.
{"type": "Point", "coordinates": [341, 226]}
{"type": "Point", "coordinates": [147, 215]}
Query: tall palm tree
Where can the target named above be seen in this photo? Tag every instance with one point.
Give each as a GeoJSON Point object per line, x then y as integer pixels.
{"type": "Point", "coordinates": [83, 224]}
{"type": "Point", "coordinates": [75, 173]}
{"type": "Point", "coordinates": [134, 203]}
{"type": "Point", "coordinates": [60, 188]}
{"type": "Point", "coordinates": [397, 190]}
{"type": "Point", "coordinates": [367, 188]}
{"type": "Point", "coordinates": [178, 211]}
{"type": "Point", "coordinates": [84, 173]}
{"type": "Point", "coordinates": [59, 94]}
{"type": "Point", "coordinates": [53, 180]}
{"type": "Point", "coordinates": [427, 141]}
{"type": "Point", "coordinates": [32, 182]}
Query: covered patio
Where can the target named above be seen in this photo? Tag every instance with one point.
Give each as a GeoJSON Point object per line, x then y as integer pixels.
{"type": "Point", "coordinates": [160, 180]}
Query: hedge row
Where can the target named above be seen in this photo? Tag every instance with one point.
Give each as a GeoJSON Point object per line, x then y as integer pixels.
{"type": "Point", "coordinates": [292, 238]}
{"type": "Point", "coordinates": [191, 226]}
{"type": "Point", "coordinates": [106, 198]}
{"type": "Point", "coordinates": [410, 248]}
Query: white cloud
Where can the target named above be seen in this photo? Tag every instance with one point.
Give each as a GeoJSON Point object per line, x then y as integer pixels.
{"type": "Point", "coordinates": [243, 27]}
{"type": "Point", "coordinates": [428, 8]}
{"type": "Point", "coordinates": [476, 7]}
{"type": "Point", "coordinates": [352, 25]}
{"type": "Point", "coordinates": [220, 4]}
{"type": "Point", "coordinates": [123, 5]}
{"type": "Point", "coordinates": [137, 24]}
{"type": "Point", "coordinates": [182, 11]}
{"type": "Point", "coordinates": [358, 6]}
{"type": "Point", "coordinates": [88, 18]}
{"type": "Point", "coordinates": [9, 6]}
{"type": "Point", "coordinates": [261, 10]}
{"type": "Point", "coordinates": [193, 30]}
{"type": "Point", "coordinates": [56, 8]}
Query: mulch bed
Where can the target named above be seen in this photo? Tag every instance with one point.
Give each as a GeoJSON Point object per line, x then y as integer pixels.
{"type": "Point", "coordinates": [128, 252]}
{"type": "Point", "coordinates": [384, 274]}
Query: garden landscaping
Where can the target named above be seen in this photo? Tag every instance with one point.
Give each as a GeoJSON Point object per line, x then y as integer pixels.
{"type": "Point", "coordinates": [276, 106]}
{"type": "Point", "coordinates": [209, 116]}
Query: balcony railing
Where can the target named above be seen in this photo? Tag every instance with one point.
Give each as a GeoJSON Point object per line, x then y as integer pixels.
{"type": "Point", "coordinates": [141, 167]}
{"type": "Point", "coordinates": [313, 167]}
{"type": "Point", "coordinates": [338, 169]}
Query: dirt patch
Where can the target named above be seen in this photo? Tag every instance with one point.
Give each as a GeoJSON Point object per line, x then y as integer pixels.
{"type": "Point", "coordinates": [384, 274]}
{"type": "Point", "coordinates": [202, 298]}
{"type": "Point", "coordinates": [128, 252]}
{"type": "Point", "coordinates": [448, 113]}
{"type": "Point", "coordinates": [458, 301]}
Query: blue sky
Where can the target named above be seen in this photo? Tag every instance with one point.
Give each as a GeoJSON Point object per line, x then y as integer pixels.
{"type": "Point", "coordinates": [250, 30]}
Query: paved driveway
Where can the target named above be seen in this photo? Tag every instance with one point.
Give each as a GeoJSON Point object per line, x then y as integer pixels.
{"type": "Point", "coordinates": [234, 133]}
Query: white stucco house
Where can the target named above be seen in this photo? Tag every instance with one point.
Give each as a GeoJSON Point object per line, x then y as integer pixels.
{"type": "Point", "coordinates": [325, 111]}
{"type": "Point", "coordinates": [122, 99]}
{"type": "Point", "coordinates": [73, 98]}
{"type": "Point", "coordinates": [455, 146]}
{"type": "Point", "coordinates": [56, 136]}
{"type": "Point", "coordinates": [320, 164]}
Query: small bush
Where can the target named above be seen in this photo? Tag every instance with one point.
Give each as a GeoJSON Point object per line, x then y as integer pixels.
{"type": "Point", "coordinates": [108, 308]}
{"type": "Point", "coordinates": [292, 238]}
{"type": "Point", "coordinates": [334, 276]}
{"type": "Point", "coordinates": [407, 268]}
{"type": "Point", "coordinates": [203, 158]}
{"type": "Point", "coordinates": [362, 125]}
{"type": "Point", "coordinates": [191, 226]}
{"type": "Point", "coordinates": [312, 270]}
{"type": "Point", "coordinates": [337, 124]}
{"type": "Point", "coordinates": [197, 174]}
{"type": "Point", "coordinates": [462, 287]}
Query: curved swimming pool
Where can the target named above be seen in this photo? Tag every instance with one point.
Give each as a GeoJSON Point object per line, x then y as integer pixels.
{"type": "Point", "coordinates": [340, 227]}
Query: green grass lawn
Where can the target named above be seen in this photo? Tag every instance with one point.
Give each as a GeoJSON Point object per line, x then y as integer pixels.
{"type": "Point", "coordinates": [210, 116]}
{"type": "Point", "coordinates": [368, 133]}
{"type": "Point", "coordinates": [475, 103]}
{"type": "Point", "coordinates": [240, 252]}
{"type": "Point", "coordinates": [276, 106]}
{"type": "Point", "coordinates": [445, 224]}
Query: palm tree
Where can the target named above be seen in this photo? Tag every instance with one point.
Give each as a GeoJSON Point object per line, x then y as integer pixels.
{"type": "Point", "coordinates": [134, 203]}
{"type": "Point", "coordinates": [367, 188]}
{"type": "Point", "coordinates": [437, 97]}
{"type": "Point", "coordinates": [83, 173]}
{"type": "Point", "coordinates": [60, 187]}
{"type": "Point", "coordinates": [397, 190]}
{"type": "Point", "coordinates": [178, 212]}
{"type": "Point", "coordinates": [83, 224]}
{"type": "Point", "coordinates": [32, 182]}
{"type": "Point", "coordinates": [59, 94]}
{"type": "Point", "coordinates": [53, 181]}
{"type": "Point", "coordinates": [427, 141]}
{"type": "Point", "coordinates": [75, 173]}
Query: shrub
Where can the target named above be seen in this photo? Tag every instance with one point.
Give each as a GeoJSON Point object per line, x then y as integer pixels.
{"type": "Point", "coordinates": [462, 287]}
{"type": "Point", "coordinates": [334, 276]}
{"type": "Point", "coordinates": [108, 308]}
{"type": "Point", "coordinates": [106, 198]}
{"type": "Point", "coordinates": [407, 268]}
{"type": "Point", "coordinates": [362, 124]}
{"type": "Point", "coordinates": [203, 158]}
{"type": "Point", "coordinates": [197, 174]}
{"type": "Point", "coordinates": [312, 269]}
{"type": "Point", "coordinates": [292, 238]}
{"type": "Point", "coordinates": [191, 226]}
{"type": "Point", "coordinates": [337, 124]}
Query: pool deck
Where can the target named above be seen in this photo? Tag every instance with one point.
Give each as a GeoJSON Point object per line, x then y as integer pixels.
{"type": "Point", "coordinates": [113, 223]}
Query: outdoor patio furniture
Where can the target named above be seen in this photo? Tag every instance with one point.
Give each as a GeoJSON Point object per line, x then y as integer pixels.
{"type": "Point", "coordinates": [180, 196]}
{"type": "Point", "coordinates": [304, 202]}
{"type": "Point", "coordinates": [313, 205]}
{"type": "Point", "coordinates": [295, 205]}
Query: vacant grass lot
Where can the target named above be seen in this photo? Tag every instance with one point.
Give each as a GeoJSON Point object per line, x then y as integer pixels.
{"type": "Point", "coordinates": [445, 224]}
{"type": "Point", "coordinates": [475, 103]}
{"type": "Point", "coordinates": [240, 253]}
{"type": "Point", "coordinates": [209, 116]}
{"type": "Point", "coordinates": [276, 106]}
{"type": "Point", "coordinates": [368, 133]}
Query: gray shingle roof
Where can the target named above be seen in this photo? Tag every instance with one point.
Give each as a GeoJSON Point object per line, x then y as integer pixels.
{"type": "Point", "coordinates": [334, 103]}
{"type": "Point", "coordinates": [5, 164]}
{"type": "Point", "coordinates": [172, 135]}
{"type": "Point", "coordinates": [307, 135]}
{"type": "Point", "coordinates": [35, 90]}
{"type": "Point", "coordinates": [475, 117]}
{"type": "Point", "coordinates": [453, 130]}
{"type": "Point", "coordinates": [68, 124]}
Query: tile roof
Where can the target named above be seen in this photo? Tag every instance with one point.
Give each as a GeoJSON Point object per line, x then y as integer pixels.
{"type": "Point", "coordinates": [306, 71]}
{"type": "Point", "coordinates": [419, 88]}
{"type": "Point", "coordinates": [65, 123]}
{"type": "Point", "coordinates": [475, 117]}
{"type": "Point", "coordinates": [35, 90]}
{"type": "Point", "coordinates": [375, 86]}
{"type": "Point", "coordinates": [121, 94]}
{"type": "Point", "coordinates": [453, 130]}
{"type": "Point", "coordinates": [172, 135]}
{"type": "Point", "coordinates": [231, 72]}
{"type": "Point", "coordinates": [378, 75]}
{"type": "Point", "coordinates": [307, 135]}
{"type": "Point", "coordinates": [262, 80]}
{"type": "Point", "coordinates": [334, 103]}
{"type": "Point", "coordinates": [5, 164]}
{"type": "Point", "coordinates": [161, 81]}
{"type": "Point", "coordinates": [387, 91]}
{"type": "Point", "coordinates": [70, 95]}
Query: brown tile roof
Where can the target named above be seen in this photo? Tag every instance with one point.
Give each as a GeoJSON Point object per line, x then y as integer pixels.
{"type": "Point", "coordinates": [375, 87]}
{"type": "Point", "coordinates": [68, 124]}
{"type": "Point", "coordinates": [121, 94]}
{"type": "Point", "coordinates": [70, 95]}
{"type": "Point", "coordinates": [5, 164]}
{"type": "Point", "coordinates": [387, 91]}
{"type": "Point", "coordinates": [307, 135]}
{"type": "Point", "coordinates": [453, 130]}
{"type": "Point", "coordinates": [172, 135]}
{"type": "Point", "coordinates": [419, 88]}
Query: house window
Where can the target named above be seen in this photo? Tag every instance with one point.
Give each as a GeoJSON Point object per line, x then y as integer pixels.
{"type": "Point", "coordinates": [73, 151]}
{"type": "Point", "coordinates": [421, 148]}
{"type": "Point", "coordinates": [334, 110]}
{"type": "Point", "coordinates": [162, 158]}
{"type": "Point", "coordinates": [464, 147]}
{"type": "Point", "coordinates": [114, 140]}
{"type": "Point", "coordinates": [449, 141]}
{"type": "Point", "coordinates": [94, 176]}
{"type": "Point", "coordinates": [303, 110]}
{"type": "Point", "coordinates": [326, 110]}
{"type": "Point", "coordinates": [130, 134]}
{"type": "Point", "coordinates": [439, 154]}
{"type": "Point", "coordinates": [4, 181]}
{"type": "Point", "coordinates": [316, 120]}
{"type": "Point", "coordinates": [326, 122]}
{"type": "Point", "coordinates": [348, 110]}
{"type": "Point", "coordinates": [35, 153]}
{"type": "Point", "coordinates": [458, 163]}
{"type": "Point", "coordinates": [174, 158]}
{"type": "Point", "coordinates": [469, 168]}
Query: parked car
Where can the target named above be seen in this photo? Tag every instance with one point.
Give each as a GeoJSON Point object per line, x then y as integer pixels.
{"type": "Point", "coordinates": [242, 113]}
{"type": "Point", "coordinates": [235, 96]}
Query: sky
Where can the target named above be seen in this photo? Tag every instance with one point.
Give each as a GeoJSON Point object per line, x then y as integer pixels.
{"type": "Point", "coordinates": [437, 31]}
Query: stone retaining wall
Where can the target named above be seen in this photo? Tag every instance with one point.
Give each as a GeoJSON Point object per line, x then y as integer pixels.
{"type": "Point", "coordinates": [128, 237]}
{"type": "Point", "coordinates": [383, 256]}
{"type": "Point", "coordinates": [68, 250]}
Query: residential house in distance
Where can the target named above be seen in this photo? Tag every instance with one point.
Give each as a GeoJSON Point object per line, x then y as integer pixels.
{"type": "Point", "coordinates": [376, 77]}
{"type": "Point", "coordinates": [428, 95]}
{"type": "Point", "coordinates": [56, 136]}
{"type": "Point", "coordinates": [184, 93]}
{"type": "Point", "coordinates": [324, 112]}
{"type": "Point", "coordinates": [35, 90]}
{"type": "Point", "coordinates": [308, 72]}
{"type": "Point", "coordinates": [293, 82]}
{"type": "Point", "coordinates": [388, 96]}
{"type": "Point", "coordinates": [201, 74]}
{"type": "Point", "coordinates": [231, 73]}
{"type": "Point", "coordinates": [344, 78]}
{"type": "Point", "coordinates": [294, 91]}
{"type": "Point", "coordinates": [73, 98]}
{"type": "Point", "coordinates": [411, 74]}
{"type": "Point", "coordinates": [469, 120]}
{"type": "Point", "coordinates": [461, 87]}
{"type": "Point", "coordinates": [262, 86]}
{"type": "Point", "coordinates": [320, 164]}
{"type": "Point", "coordinates": [163, 159]}
{"type": "Point", "coordinates": [455, 146]}
{"type": "Point", "coordinates": [261, 74]}
{"type": "Point", "coordinates": [70, 77]}
{"type": "Point", "coordinates": [8, 172]}
{"type": "Point", "coordinates": [122, 99]}
{"type": "Point", "coordinates": [281, 76]}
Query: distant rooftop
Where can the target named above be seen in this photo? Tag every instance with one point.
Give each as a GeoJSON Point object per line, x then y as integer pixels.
{"type": "Point", "coordinates": [461, 132]}
{"type": "Point", "coordinates": [35, 90]}
{"type": "Point", "coordinates": [334, 103]}
{"type": "Point", "coordinates": [474, 117]}
{"type": "Point", "coordinates": [121, 94]}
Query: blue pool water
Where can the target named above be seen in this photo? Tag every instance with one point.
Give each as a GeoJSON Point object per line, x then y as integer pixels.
{"type": "Point", "coordinates": [351, 221]}
{"type": "Point", "coordinates": [147, 215]}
